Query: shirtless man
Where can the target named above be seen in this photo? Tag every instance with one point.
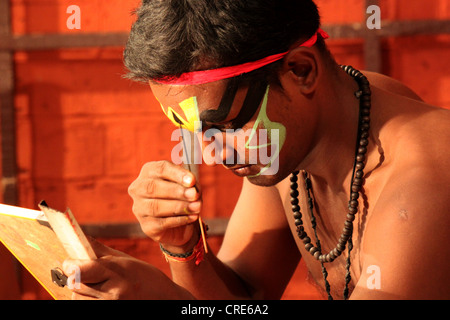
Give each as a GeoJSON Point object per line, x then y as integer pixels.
{"type": "Point", "coordinates": [402, 216]}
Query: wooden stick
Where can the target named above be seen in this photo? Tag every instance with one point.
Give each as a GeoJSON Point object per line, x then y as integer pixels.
{"type": "Point", "coordinates": [202, 230]}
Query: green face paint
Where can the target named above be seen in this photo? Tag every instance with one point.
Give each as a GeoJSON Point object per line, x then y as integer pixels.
{"type": "Point", "coordinates": [264, 121]}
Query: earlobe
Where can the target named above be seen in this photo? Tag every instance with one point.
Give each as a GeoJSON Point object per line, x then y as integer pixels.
{"type": "Point", "coordinates": [301, 64]}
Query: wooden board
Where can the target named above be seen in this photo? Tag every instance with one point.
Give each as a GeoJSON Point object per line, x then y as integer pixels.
{"type": "Point", "coordinates": [30, 238]}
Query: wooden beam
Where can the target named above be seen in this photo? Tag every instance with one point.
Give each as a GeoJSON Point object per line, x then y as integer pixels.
{"type": "Point", "coordinates": [58, 41]}
{"type": "Point", "coordinates": [8, 139]}
{"type": "Point", "coordinates": [372, 44]}
{"type": "Point", "coordinates": [389, 29]}
{"type": "Point", "coordinates": [337, 31]}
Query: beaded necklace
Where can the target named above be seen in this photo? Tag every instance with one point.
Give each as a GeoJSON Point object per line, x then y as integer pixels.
{"type": "Point", "coordinates": [357, 180]}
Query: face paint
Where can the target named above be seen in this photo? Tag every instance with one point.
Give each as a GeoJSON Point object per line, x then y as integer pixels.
{"type": "Point", "coordinates": [219, 115]}
{"type": "Point", "coordinates": [264, 121]}
{"type": "Point", "coordinates": [257, 92]}
{"type": "Point", "coordinates": [190, 110]}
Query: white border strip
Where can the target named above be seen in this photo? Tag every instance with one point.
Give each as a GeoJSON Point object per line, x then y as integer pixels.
{"type": "Point", "coordinates": [22, 212]}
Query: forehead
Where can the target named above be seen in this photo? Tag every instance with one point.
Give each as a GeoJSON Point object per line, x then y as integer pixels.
{"type": "Point", "coordinates": [208, 95]}
{"type": "Point", "coordinates": [211, 102]}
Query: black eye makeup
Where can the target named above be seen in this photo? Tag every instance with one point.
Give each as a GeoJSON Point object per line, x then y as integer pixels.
{"type": "Point", "coordinates": [253, 98]}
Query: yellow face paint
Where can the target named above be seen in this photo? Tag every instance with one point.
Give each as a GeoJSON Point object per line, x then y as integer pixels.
{"type": "Point", "coordinates": [266, 123]}
{"type": "Point", "coordinates": [190, 110]}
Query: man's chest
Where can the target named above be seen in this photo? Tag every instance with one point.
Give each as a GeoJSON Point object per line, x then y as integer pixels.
{"type": "Point", "coordinates": [323, 222]}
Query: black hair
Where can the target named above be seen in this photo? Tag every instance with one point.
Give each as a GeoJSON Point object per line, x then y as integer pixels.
{"type": "Point", "coordinates": [171, 37]}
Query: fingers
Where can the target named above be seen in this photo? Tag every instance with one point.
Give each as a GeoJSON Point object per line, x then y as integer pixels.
{"type": "Point", "coordinates": [156, 228]}
{"type": "Point", "coordinates": [165, 208]}
{"type": "Point", "coordinates": [169, 171]}
{"type": "Point", "coordinates": [91, 271]}
{"type": "Point", "coordinates": [151, 187]}
{"type": "Point", "coordinates": [165, 197]}
{"type": "Point", "coordinates": [90, 279]}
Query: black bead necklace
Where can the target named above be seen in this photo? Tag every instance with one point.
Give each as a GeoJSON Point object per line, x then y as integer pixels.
{"type": "Point", "coordinates": [357, 180]}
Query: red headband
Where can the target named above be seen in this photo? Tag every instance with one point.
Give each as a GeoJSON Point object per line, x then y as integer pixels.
{"type": "Point", "coordinates": [205, 76]}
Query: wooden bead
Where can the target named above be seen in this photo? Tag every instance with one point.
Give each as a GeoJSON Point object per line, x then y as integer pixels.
{"type": "Point", "coordinates": [308, 184]}
{"type": "Point", "coordinates": [337, 252]}
{"type": "Point", "coordinates": [360, 157]}
{"type": "Point", "coordinates": [340, 247]}
{"type": "Point", "coordinates": [358, 174]}
{"type": "Point", "coordinates": [294, 201]}
{"type": "Point", "coordinates": [306, 240]}
{"type": "Point", "coordinates": [348, 225]}
{"type": "Point", "coordinates": [363, 142]}
{"type": "Point", "coordinates": [313, 250]}
{"type": "Point", "coordinates": [317, 255]}
{"type": "Point", "coordinates": [297, 215]}
{"type": "Point", "coordinates": [329, 258]}
{"type": "Point", "coordinates": [365, 105]}
{"type": "Point", "coordinates": [360, 165]}
{"type": "Point", "coordinates": [354, 195]}
{"type": "Point", "coordinates": [365, 98]}
{"type": "Point", "coordinates": [308, 246]}
{"type": "Point", "coordinates": [365, 126]}
{"type": "Point", "coordinates": [347, 232]}
{"type": "Point", "coordinates": [296, 208]}
{"type": "Point", "coordinates": [353, 203]}
{"type": "Point", "coordinates": [301, 234]}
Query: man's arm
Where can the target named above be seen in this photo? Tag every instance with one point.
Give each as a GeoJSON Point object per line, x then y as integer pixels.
{"type": "Point", "coordinates": [406, 252]}
{"type": "Point", "coordinates": [257, 257]}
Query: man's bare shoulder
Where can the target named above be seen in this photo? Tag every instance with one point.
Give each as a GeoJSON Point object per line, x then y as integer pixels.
{"type": "Point", "coordinates": [406, 236]}
{"type": "Point", "coordinates": [390, 84]}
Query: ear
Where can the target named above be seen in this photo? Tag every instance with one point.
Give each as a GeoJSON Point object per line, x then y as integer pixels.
{"type": "Point", "coordinates": [301, 66]}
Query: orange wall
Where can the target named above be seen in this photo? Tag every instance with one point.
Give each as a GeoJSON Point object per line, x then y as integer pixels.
{"type": "Point", "coordinates": [83, 132]}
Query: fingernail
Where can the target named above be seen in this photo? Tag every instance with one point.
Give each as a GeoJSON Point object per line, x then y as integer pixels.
{"type": "Point", "coordinates": [192, 217]}
{"type": "Point", "coordinates": [187, 180]}
{"type": "Point", "coordinates": [190, 193]}
{"type": "Point", "coordinates": [194, 207]}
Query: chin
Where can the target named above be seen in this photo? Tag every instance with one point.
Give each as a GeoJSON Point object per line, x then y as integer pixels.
{"type": "Point", "coordinates": [266, 180]}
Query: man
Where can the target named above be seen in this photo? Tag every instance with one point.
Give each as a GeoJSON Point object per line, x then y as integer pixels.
{"type": "Point", "coordinates": [380, 209]}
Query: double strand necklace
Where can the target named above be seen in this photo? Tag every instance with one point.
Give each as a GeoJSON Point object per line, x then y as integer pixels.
{"type": "Point", "coordinates": [357, 180]}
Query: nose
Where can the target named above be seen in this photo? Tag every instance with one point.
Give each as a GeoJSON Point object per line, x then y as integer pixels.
{"type": "Point", "coordinates": [216, 150]}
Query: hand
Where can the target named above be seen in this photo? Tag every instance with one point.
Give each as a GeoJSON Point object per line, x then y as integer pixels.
{"type": "Point", "coordinates": [166, 203]}
{"type": "Point", "coordinates": [116, 275]}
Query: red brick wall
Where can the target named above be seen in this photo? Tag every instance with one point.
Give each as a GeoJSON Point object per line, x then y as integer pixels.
{"type": "Point", "coordinates": [83, 132]}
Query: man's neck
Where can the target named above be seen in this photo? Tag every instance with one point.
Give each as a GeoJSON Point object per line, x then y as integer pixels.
{"type": "Point", "coordinates": [331, 159]}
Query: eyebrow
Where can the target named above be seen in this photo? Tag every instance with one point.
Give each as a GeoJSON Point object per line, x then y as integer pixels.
{"type": "Point", "coordinates": [221, 113]}
{"type": "Point", "coordinates": [251, 104]}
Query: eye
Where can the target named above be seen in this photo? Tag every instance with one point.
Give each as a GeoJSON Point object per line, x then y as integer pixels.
{"type": "Point", "coordinates": [220, 127]}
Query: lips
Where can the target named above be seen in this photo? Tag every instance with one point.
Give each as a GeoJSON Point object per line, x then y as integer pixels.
{"type": "Point", "coordinates": [245, 170]}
